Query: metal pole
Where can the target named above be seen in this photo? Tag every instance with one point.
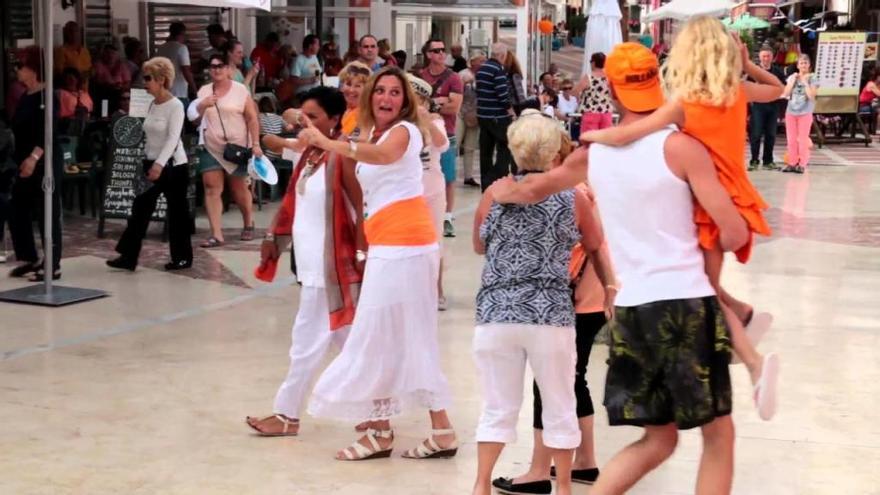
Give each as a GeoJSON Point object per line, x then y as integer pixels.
{"type": "Point", "coordinates": [319, 19]}
{"type": "Point", "coordinates": [48, 169]}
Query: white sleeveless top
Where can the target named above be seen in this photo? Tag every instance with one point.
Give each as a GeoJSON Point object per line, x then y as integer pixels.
{"type": "Point", "coordinates": [648, 216]}
{"type": "Point", "coordinates": [386, 184]}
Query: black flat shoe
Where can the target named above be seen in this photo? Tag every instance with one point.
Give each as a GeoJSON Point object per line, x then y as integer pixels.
{"type": "Point", "coordinates": [471, 182]}
{"type": "Point", "coordinates": [178, 265]}
{"type": "Point", "coordinates": [122, 263]}
{"type": "Point", "coordinates": [506, 485]}
{"type": "Point", "coordinates": [24, 270]}
{"type": "Point", "coordinates": [583, 476]}
{"type": "Point", "coordinates": [40, 275]}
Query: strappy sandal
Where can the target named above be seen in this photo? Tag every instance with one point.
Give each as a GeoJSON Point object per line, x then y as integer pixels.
{"type": "Point", "coordinates": [288, 423]}
{"type": "Point", "coordinates": [432, 450]}
{"type": "Point", "coordinates": [247, 233]}
{"type": "Point", "coordinates": [211, 242]}
{"type": "Point", "coordinates": [362, 427]}
{"type": "Point", "coordinates": [375, 451]}
{"type": "Point", "coordinates": [40, 275]}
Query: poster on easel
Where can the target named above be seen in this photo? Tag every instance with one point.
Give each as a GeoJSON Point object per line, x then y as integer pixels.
{"type": "Point", "coordinates": [839, 58]}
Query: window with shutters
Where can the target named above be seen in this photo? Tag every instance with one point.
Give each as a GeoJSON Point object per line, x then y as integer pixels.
{"type": "Point", "coordinates": [18, 20]}
{"type": "Point", "coordinates": [196, 20]}
{"type": "Point", "coordinates": [98, 31]}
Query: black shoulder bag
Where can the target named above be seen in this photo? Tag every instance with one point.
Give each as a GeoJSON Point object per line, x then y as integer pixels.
{"type": "Point", "coordinates": [233, 153]}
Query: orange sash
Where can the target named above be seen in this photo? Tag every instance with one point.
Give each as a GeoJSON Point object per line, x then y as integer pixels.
{"type": "Point", "coordinates": [403, 223]}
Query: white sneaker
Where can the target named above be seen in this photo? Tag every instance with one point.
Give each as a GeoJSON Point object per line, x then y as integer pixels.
{"type": "Point", "coordinates": [3, 258]}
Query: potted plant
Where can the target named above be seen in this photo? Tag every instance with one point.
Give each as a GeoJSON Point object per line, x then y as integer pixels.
{"type": "Point", "coordinates": [577, 26]}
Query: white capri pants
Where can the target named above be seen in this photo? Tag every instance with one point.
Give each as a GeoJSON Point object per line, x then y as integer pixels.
{"type": "Point", "coordinates": [501, 351]}
{"type": "Point", "coordinates": [311, 339]}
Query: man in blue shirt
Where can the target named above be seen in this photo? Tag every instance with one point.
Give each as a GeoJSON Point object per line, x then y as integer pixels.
{"type": "Point", "coordinates": [494, 115]}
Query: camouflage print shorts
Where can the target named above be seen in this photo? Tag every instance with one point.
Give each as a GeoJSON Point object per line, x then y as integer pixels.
{"type": "Point", "coordinates": [668, 363]}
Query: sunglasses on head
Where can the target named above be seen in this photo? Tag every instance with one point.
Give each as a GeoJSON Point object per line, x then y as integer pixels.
{"type": "Point", "coordinates": [358, 70]}
{"type": "Point", "coordinates": [437, 50]}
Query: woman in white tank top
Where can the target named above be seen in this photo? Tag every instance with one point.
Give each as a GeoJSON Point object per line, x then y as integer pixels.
{"type": "Point", "coordinates": [391, 362]}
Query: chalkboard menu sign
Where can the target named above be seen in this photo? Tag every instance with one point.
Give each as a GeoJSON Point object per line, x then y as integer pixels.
{"type": "Point", "coordinates": [124, 173]}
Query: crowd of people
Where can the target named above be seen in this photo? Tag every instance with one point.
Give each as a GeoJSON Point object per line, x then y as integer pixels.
{"type": "Point", "coordinates": [370, 198]}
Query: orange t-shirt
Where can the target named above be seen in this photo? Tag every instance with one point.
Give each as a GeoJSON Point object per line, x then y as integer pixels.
{"type": "Point", "coordinates": [723, 131]}
{"type": "Point", "coordinates": [349, 121]}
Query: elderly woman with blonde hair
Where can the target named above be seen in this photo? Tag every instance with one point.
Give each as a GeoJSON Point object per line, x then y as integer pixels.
{"type": "Point", "coordinates": [525, 311]}
{"type": "Point", "coordinates": [164, 166]}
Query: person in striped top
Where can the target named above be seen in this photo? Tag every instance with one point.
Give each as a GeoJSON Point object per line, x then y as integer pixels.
{"type": "Point", "coordinates": [494, 115]}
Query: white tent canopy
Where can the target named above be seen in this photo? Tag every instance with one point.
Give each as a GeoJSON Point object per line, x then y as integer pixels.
{"type": "Point", "coordinates": [603, 30]}
{"type": "Point", "coordinates": [238, 4]}
{"type": "Point", "coordinates": [682, 10]}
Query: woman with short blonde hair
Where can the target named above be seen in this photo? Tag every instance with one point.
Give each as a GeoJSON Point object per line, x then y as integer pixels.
{"type": "Point", "coordinates": [352, 79]}
{"type": "Point", "coordinates": [534, 141]}
{"type": "Point", "coordinates": [525, 312]}
{"type": "Point", "coordinates": [165, 165]}
{"type": "Point", "coordinates": [160, 68]}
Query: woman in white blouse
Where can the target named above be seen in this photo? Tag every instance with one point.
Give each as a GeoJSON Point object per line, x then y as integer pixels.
{"type": "Point", "coordinates": [165, 166]}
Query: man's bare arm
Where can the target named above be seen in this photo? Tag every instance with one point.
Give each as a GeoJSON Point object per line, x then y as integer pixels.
{"type": "Point", "coordinates": [535, 187]}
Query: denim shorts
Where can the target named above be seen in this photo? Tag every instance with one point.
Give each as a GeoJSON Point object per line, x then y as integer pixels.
{"type": "Point", "coordinates": [207, 163]}
{"type": "Point", "coordinates": [448, 160]}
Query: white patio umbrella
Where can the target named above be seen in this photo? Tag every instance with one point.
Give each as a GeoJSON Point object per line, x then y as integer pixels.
{"type": "Point", "coordinates": [46, 295]}
{"type": "Point", "coordinates": [603, 30]}
{"type": "Point", "coordinates": [682, 10]}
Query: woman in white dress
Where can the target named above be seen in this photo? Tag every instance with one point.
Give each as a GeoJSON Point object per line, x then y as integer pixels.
{"type": "Point", "coordinates": [391, 362]}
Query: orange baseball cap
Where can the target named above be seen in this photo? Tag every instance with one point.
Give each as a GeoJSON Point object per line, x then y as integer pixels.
{"type": "Point", "coordinates": [634, 73]}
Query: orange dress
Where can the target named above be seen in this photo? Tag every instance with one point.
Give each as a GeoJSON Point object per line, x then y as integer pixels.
{"type": "Point", "coordinates": [723, 131]}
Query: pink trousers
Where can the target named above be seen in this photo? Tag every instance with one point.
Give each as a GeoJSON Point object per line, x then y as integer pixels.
{"type": "Point", "coordinates": [595, 121]}
{"type": "Point", "coordinates": [797, 133]}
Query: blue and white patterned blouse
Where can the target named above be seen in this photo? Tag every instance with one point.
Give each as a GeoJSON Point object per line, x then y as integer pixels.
{"type": "Point", "coordinates": [528, 250]}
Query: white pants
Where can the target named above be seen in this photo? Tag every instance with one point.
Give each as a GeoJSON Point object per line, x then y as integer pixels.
{"type": "Point", "coordinates": [501, 352]}
{"type": "Point", "coordinates": [311, 338]}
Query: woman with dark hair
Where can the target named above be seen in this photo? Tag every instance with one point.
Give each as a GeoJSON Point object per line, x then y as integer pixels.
{"type": "Point", "coordinates": [239, 64]}
{"type": "Point", "coordinates": [72, 95]}
{"type": "Point", "coordinates": [595, 96]}
{"type": "Point", "coordinates": [320, 210]}
{"type": "Point", "coordinates": [391, 363]}
{"type": "Point", "coordinates": [230, 117]}
{"type": "Point", "coordinates": [26, 203]}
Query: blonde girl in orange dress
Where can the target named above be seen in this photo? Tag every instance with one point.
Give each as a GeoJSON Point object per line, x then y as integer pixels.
{"type": "Point", "coordinates": [709, 101]}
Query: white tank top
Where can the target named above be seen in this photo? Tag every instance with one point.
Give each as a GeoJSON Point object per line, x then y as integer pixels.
{"type": "Point", "coordinates": [648, 216]}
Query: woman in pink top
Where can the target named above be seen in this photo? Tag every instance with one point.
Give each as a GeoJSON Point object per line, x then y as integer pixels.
{"type": "Point", "coordinates": [230, 116]}
{"type": "Point", "coordinates": [72, 95]}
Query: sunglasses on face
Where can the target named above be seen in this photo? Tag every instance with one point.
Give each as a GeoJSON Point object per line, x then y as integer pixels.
{"type": "Point", "coordinates": [217, 66]}
{"type": "Point", "coordinates": [437, 50]}
{"type": "Point", "coordinates": [567, 88]}
{"type": "Point", "coordinates": [148, 79]}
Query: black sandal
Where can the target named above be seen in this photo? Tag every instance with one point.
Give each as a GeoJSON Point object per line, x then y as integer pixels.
{"type": "Point", "coordinates": [40, 275]}
{"type": "Point", "coordinates": [24, 270]}
{"type": "Point", "coordinates": [211, 242]}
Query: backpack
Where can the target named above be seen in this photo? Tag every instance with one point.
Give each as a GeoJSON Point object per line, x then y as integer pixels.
{"type": "Point", "coordinates": [468, 110]}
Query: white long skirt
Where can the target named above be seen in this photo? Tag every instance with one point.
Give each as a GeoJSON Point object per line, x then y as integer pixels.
{"type": "Point", "coordinates": [391, 361]}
